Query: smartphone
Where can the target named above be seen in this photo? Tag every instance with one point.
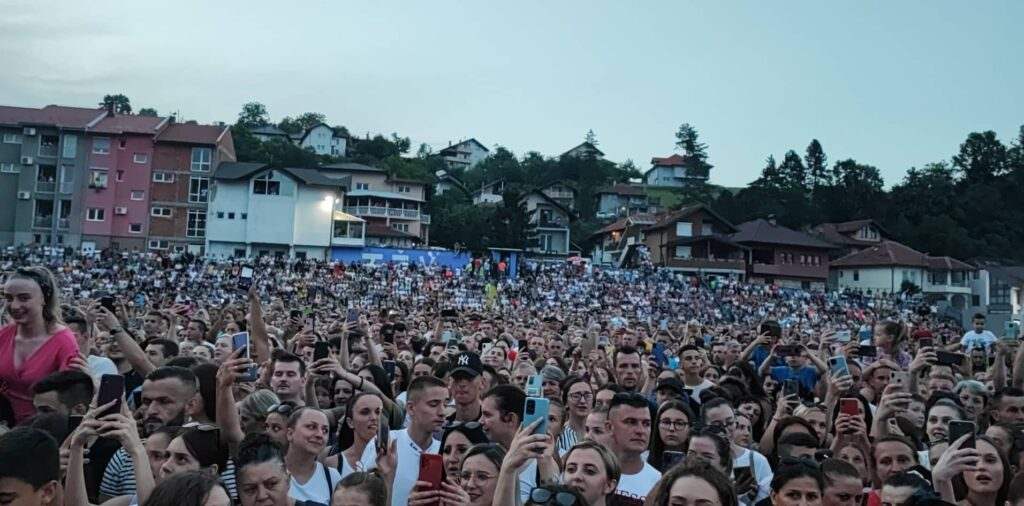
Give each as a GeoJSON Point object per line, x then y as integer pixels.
{"type": "Point", "coordinates": [241, 340]}
{"type": "Point", "coordinates": [947, 358]}
{"type": "Point", "coordinates": [534, 385]}
{"type": "Point", "coordinates": [111, 389]}
{"type": "Point", "coordinates": [107, 301]}
{"type": "Point", "coordinates": [957, 428]}
{"type": "Point", "coordinates": [670, 459]}
{"type": "Point", "coordinates": [431, 470]}
{"type": "Point", "coordinates": [901, 379]}
{"type": "Point", "coordinates": [522, 344]}
{"type": "Point", "coordinates": [843, 336]}
{"type": "Point", "coordinates": [73, 422]}
{"type": "Point", "coordinates": [383, 435]}
{"type": "Point", "coordinates": [389, 367]}
{"type": "Point", "coordinates": [790, 387]}
{"type": "Point", "coordinates": [849, 406]}
{"type": "Point", "coordinates": [1011, 330]}
{"type": "Point", "coordinates": [321, 350]}
{"type": "Point", "coordinates": [742, 473]}
{"type": "Point", "coordinates": [536, 408]}
{"type": "Point", "coordinates": [352, 316]}
{"type": "Point", "coordinates": [925, 342]}
{"type": "Point", "coordinates": [245, 278]}
{"type": "Point", "coordinates": [867, 350]}
{"type": "Point", "coordinates": [838, 366]}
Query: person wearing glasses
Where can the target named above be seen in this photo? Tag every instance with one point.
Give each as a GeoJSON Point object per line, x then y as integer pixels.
{"type": "Point", "coordinates": [696, 483]}
{"type": "Point", "coordinates": [629, 417]}
{"type": "Point", "coordinates": [556, 495]}
{"type": "Point", "coordinates": [35, 342]}
{"type": "Point", "coordinates": [670, 432]}
{"type": "Point", "coordinates": [456, 440]}
{"type": "Point", "coordinates": [720, 413]}
{"type": "Point", "coordinates": [579, 401]}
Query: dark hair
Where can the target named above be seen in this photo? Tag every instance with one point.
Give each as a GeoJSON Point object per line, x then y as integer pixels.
{"type": "Point", "coordinates": [202, 325]}
{"type": "Point", "coordinates": [15, 448]}
{"type": "Point", "coordinates": [369, 484]}
{"type": "Point", "coordinates": [1007, 476]}
{"type": "Point", "coordinates": [205, 444]}
{"type": "Point", "coordinates": [72, 387]}
{"type": "Point", "coordinates": [346, 434]}
{"type": "Point", "coordinates": [509, 399]}
{"type": "Point", "coordinates": [400, 366]}
{"type": "Point", "coordinates": [1015, 492]}
{"type": "Point", "coordinates": [897, 330]}
{"type": "Point", "coordinates": [257, 448]}
{"type": "Point", "coordinates": [280, 355]}
{"type": "Point", "coordinates": [476, 435]}
{"type": "Point", "coordinates": [206, 374]}
{"type": "Point", "coordinates": [978, 316]}
{"type": "Point", "coordinates": [53, 423]}
{"type": "Point", "coordinates": [611, 386]}
{"type": "Point", "coordinates": [659, 494]}
{"type": "Point", "coordinates": [906, 479]}
{"type": "Point", "coordinates": [800, 469]}
{"type": "Point", "coordinates": [625, 350]}
{"type": "Point", "coordinates": [422, 383]}
{"type": "Point", "coordinates": [798, 439]}
{"type": "Point", "coordinates": [181, 374]}
{"type": "Point", "coordinates": [712, 404]}
{"type": "Point", "coordinates": [750, 377]}
{"type": "Point", "coordinates": [190, 488]}
{"type": "Point", "coordinates": [722, 445]}
{"type": "Point", "coordinates": [170, 348]}
{"type": "Point", "coordinates": [633, 400]}
{"type": "Point", "coordinates": [380, 379]}
{"type": "Point", "coordinates": [832, 469]}
{"type": "Point", "coordinates": [657, 453]}
{"type": "Point", "coordinates": [568, 383]}
{"type": "Point", "coordinates": [491, 451]}
{"type": "Point", "coordinates": [183, 361]}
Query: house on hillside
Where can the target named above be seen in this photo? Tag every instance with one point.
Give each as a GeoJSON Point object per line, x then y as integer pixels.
{"type": "Point", "coordinates": [464, 155]}
{"type": "Point", "coordinates": [444, 181]}
{"type": "Point", "coordinates": [394, 209]}
{"type": "Point", "coordinates": [612, 240]}
{"type": "Point", "coordinates": [851, 236]}
{"type": "Point", "coordinates": [584, 150]}
{"type": "Point", "coordinates": [673, 171]}
{"type": "Point", "coordinates": [783, 257]}
{"type": "Point", "coordinates": [562, 192]}
{"type": "Point", "coordinates": [320, 138]}
{"type": "Point", "coordinates": [885, 267]}
{"type": "Point", "coordinates": [998, 292]}
{"type": "Point", "coordinates": [549, 223]}
{"type": "Point", "coordinates": [695, 240]}
{"type": "Point", "coordinates": [490, 194]}
{"type": "Point", "coordinates": [623, 199]}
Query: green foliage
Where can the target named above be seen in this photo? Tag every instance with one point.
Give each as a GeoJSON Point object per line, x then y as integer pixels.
{"type": "Point", "coordinates": [275, 152]}
{"type": "Point", "coordinates": [148, 111]}
{"type": "Point", "coordinates": [301, 123]}
{"type": "Point", "coordinates": [120, 103]}
{"type": "Point", "coordinates": [377, 148]}
{"type": "Point", "coordinates": [591, 138]}
{"type": "Point", "coordinates": [253, 115]}
{"type": "Point", "coordinates": [695, 153]}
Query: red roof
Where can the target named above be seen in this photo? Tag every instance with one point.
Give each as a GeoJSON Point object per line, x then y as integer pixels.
{"type": "Point", "coordinates": [56, 115]}
{"type": "Point", "coordinates": [889, 253]}
{"type": "Point", "coordinates": [948, 264]}
{"type": "Point", "coordinates": [675, 159]}
{"type": "Point", "coordinates": [378, 229]}
{"type": "Point", "coordinates": [191, 134]}
{"type": "Point", "coordinates": [765, 232]}
{"type": "Point", "coordinates": [129, 124]}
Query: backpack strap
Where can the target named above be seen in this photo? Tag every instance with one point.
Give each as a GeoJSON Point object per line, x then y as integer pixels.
{"type": "Point", "coordinates": [330, 487]}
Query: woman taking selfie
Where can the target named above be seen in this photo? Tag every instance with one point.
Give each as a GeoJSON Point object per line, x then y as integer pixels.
{"type": "Point", "coordinates": [694, 483]}
{"type": "Point", "coordinates": [34, 343]}
{"type": "Point", "coordinates": [974, 476]}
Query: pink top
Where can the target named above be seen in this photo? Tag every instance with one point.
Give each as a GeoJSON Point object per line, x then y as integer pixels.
{"type": "Point", "coordinates": [16, 384]}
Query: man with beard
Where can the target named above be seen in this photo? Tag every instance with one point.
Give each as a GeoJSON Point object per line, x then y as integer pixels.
{"type": "Point", "coordinates": [288, 378]}
{"type": "Point", "coordinates": [165, 395]}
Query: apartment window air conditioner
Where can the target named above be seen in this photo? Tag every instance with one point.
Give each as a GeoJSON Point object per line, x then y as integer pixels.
{"type": "Point", "coordinates": [24, 195]}
{"type": "Point", "coordinates": [27, 160]}
{"type": "Point", "coordinates": [120, 210]}
{"type": "Point", "coordinates": [29, 131]}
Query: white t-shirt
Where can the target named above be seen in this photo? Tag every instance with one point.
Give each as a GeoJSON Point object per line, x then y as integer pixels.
{"type": "Point", "coordinates": [316, 489]}
{"type": "Point", "coordinates": [640, 484]}
{"type": "Point", "coordinates": [704, 385]}
{"type": "Point", "coordinates": [407, 466]}
{"type": "Point", "coordinates": [762, 471]}
{"type": "Point", "coordinates": [366, 462]}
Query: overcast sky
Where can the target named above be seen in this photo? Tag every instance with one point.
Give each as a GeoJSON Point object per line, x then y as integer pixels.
{"type": "Point", "coordinates": [893, 84]}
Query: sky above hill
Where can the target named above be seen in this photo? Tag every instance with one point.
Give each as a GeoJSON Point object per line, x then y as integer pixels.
{"type": "Point", "coordinates": [892, 84]}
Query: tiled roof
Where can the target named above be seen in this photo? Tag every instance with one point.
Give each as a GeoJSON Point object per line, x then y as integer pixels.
{"type": "Point", "coordinates": [454, 148]}
{"type": "Point", "coordinates": [669, 218]}
{"type": "Point", "coordinates": [237, 170]}
{"type": "Point", "coordinates": [378, 229]}
{"type": "Point", "coordinates": [764, 232]}
{"type": "Point", "coordinates": [587, 146]}
{"type": "Point", "coordinates": [191, 134]}
{"type": "Point", "coordinates": [352, 167]}
{"type": "Point", "coordinates": [673, 160]}
{"type": "Point", "coordinates": [948, 264]}
{"type": "Point", "coordinates": [55, 115]}
{"type": "Point", "coordinates": [129, 124]}
{"type": "Point", "coordinates": [890, 253]}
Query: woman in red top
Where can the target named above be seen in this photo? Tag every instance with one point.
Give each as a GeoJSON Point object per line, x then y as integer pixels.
{"type": "Point", "coordinates": [34, 343]}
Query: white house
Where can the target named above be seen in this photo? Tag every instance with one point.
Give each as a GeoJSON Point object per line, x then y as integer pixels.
{"type": "Point", "coordinates": [465, 154]}
{"type": "Point", "coordinates": [490, 194]}
{"type": "Point", "coordinates": [884, 268]}
{"type": "Point", "coordinates": [289, 212]}
{"type": "Point", "coordinates": [672, 171]}
{"type": "Point", "coordinates": [998, 292]}
{"type": "Point", "coordinates": [549, 221]}
{"type": "Point", "coordinates": [323, 140]}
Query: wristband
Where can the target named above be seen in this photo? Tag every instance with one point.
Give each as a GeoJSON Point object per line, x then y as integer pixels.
{"type": "Point", "coordinates": [116, 331]}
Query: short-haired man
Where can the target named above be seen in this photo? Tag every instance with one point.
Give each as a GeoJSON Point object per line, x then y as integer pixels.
{"type": "Point", "coordinates": [797, 445]}
{"type": "Point", "coordinates": [64, 392]}
{"type": "Point", "coordinates": [29, 468]}
{"type": "Point", "coordinates": [288, 377]}
{"type": "Point", "coordinates": [159, 351]}
{"type": "Point", "coordinates": [900, 487]}
{"type": "Point", "coordinates": [502, 413]}
{"type": "Point", "coordinates": [78, 323]}
{"type": "Point", "coordinates": [691, 361]}
{"type": "Point", "coordinates": [843, 485]}
{"type": "Point", "coordinates": [155, 325]}
{"type": "Point", "coordinates": [1008, 406]}
{"type": "Point", "coordinates": [425, 403]}
{"type": "Point", "coordinates": [464, 383]}
{"type": "Point", "coordinates": [629, 421]}
{"type": "Point", "coordinates": [629, 369]}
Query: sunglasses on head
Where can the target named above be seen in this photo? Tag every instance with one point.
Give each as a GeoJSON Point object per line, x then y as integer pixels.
{"type": "Point", "coordinates": [281, 409]}
{"type": "Point", "coordinates": [546, 496]}
{"type": "Point", "coordinates": [471, 425]}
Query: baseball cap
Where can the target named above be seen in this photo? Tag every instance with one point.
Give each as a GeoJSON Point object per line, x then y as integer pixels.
{"type": "Point", "coordinates": [467, 363]}
{"type": "Point", "coordinates": [672, 384]}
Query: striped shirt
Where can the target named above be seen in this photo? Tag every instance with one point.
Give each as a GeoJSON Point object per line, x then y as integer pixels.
{"type": "Point", "coordinates": [119, 477]}
{"type": "Point", "coordinates": [567, 439]}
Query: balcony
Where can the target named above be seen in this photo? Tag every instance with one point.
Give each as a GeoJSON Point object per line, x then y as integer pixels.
{"type": "Point", "coordinates": [45, 186]}
{"type": "Point", "coordinates": [42, 221]}
{"type": "Point", "coordinates": [706, 264]}
{"type": "Point", "coordinates": [790, 270]}
{"type": "Point", "coordinates": [545, 222]}
{"type": "Point", "coordinates": [388, 212]}
{"type": "Point", "coordinates": [425, 219]}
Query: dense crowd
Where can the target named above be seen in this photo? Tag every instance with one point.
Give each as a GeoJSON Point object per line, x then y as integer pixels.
{"type": "Point", "coordinates": [143, 379]}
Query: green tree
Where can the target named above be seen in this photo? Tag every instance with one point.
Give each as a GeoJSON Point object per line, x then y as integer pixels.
{"type": "Point", "coordinates": [695, 153]}
{"type": "Point", "coordinates": [591, 138]}
{"type": "Point", "coordinates": [510, 226]}
{"type": "Point", "coordinates": [119, 103]}
{"type": "Point", "coordinates": [148, 111]}
{"type": "Point", "coordinates": [301, 123]}
{"type": "Point", "coordinates": [817, 165]}
{"type": "Point", "coordinates": [982, 157]}
{"type": "Point", "coordinates": [253, 115]}
{"type": "Point", "coordinates": [792, 171]}
{"type": "Point", "coordinates": [378, 148]}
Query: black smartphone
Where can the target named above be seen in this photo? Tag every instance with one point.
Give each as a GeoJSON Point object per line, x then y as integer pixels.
{"type": "Point", "coordinates": [73, 422]}
{"type": "Point", "coordinates": [790, 387]}
{"type": "Point", "coordinates": [867, 350]}
{"type": "Point", "coordinates": [107, 301]}
{"type": "Point", "coordinates": [742, 473]}
{"type": "Point", "coordinates": [352, 316]}
{"type": "Point", "coordinates": [111, 389]}
{"type": "Point", "coordinates": [670, 459]}
{"type": "Point", "coordinates": [321, 350]}
{"type": "Point", "coordinates": [924, 342]}
{"type": "Point", "coordinates": [947, 358]}
{"type": "Point", "coordinates": [389, 367]}
{"type": "Point", "coordinates": [244, 278]}
{"type": "Point", "coordinates": [787, 350]}
{"type": "Point", "coordinates": [957, 429]}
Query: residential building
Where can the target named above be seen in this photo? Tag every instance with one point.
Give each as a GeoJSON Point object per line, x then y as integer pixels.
{"type": "Point", "coordinates": [43, 168]}
{"type": "Point", "coordinates": [464, 155]}
{"type": "Point", "coordinates": [116, 197]}
{"type": "Point", "coordinates": [673, 171]}
{"type": "Point", "coordinates": [998, 292]}
{"type": "Point", "coordinates": [269, 132]}
{"type": "Point", "coordinates": [549, 223]}
{"type": "Point", "coordinates": [692, 239]}
{"type": "Point", "coordinates": [394, 209]}
{"type": "Point", "coordinates": [490, 194]}
{"type": "Point", "coordinates": [445, 181]}
{"type": "Point", "coordinates": [623, 199]}
{"type": "Point", "coordinates": [585, 150]}
{"type": "Point", "coordinates": [562, 192]}
{"type": "Point", "coordinates": [851, 236]}
{"type": "Point", "coordinates": [320, 138]}
{"type": "Point", "coordinates": [887, 266]}
{"type": "Point", "coordinates": [783, 257]}
{"type": "Point", "coordinates": [613, 240]}
{"type": "Point", "coordinates": [290, 212]}
{"type": "Point", "coordinates": [184, 157]}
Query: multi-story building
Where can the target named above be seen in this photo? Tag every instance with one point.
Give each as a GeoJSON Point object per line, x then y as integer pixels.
{"type": "Point", "coordinates": [444, 182]}
{"type": "Point", "coordinates": [490, 194]}
{"type": "Point", "coordinates": [997, 291]}
{"type": "Point", "coordinates": [623, 199]}
{"type": "Point", "coordinates": [612, 241]}
{"type": "Point", "coordinates": [290, 212]}
{"type": "Point", "coordinates": [394, 209]}
{"type": "Point", "coordinates": [782, 256]}
{"type": "Point", "coordinates": [889, 266]}
{"type": "Point", "coordinates": [673, 171]}
{"type": "Point", "coordinates": [693, 239]}
{"type": "Point", "coordinates": [43, 160]}
{"type": "Point", "coordinates": [851, 236]}
{"type": "Point", "coordinates": [549, 223]}
{"type": "Point", "coordinates": [464, 155]}
{"type": "Point", "coordinates": [116, 196]}
{"type": "Point", "coordinates": [184, 157]}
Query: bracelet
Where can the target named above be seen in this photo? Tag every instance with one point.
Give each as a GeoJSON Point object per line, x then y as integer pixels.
{"type": "Point", "coordinates": [361, 381]}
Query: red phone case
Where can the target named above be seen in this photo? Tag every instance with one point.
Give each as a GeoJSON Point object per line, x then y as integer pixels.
{"type": "Point", "coordinates": [431, 469]}
{"type": "Point", "coordinates": [849, 406]}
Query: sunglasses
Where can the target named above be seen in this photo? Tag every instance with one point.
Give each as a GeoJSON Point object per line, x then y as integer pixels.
{"type": "Point", "coordinates": [281, 409]}
{"type": "Point", "coordinates": [547, 496]}
{"type": "Point", "coordinates": [472, 425]}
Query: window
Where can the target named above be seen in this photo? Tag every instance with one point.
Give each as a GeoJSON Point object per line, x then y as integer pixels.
{"type": "Point", "coordinates": [122, 143]}
{"type": "Point", "coordinates": [138, 195]}
{"type": "Point", "coordinates": [707, 229]}
{"type": "Point", "coordinates": [856, 275]}
{"type": "Point", "coordinates": [401, 227]}
{"type": "Point", "coordinates": [198, 189]}
{"type": "Point", "coordinates": [402, 188]}
{"type": "Point", "coordinates": [135, 228]}
{"type": "Point", "coordinates": [231, 216]}
{"type": "Point", "coordinates": [975, 300]}
{"type": "Point", "coordinates": [160, 212]}
{"type": "Point", "coordinates": [48, 143]}
{"type": "Point", "coordinates": [9, 168]}
{"type": "Point", "coordinates": [196, 223]}
{"type": "Point", "coordinates": [70, 146]}
{"type": "Point", "coordinates": [684, 229]}
{"type": "Point", "coordinates": [98, 179]}
{"type": "Point", "coordinates": [201, 159]}
{"type": "Point", "coordinates": [265, 185]}
{"type": "Point", "coordinates": [220, 215]}
{"type": "Point", "coordinates": [245, 216]}
{"type": "Point", "coordinates": [120, 176]}
{"type": "Point", "coordinates": [94, 214]}
{"type": "Point", "coordinates": [158, 244]}
{"type": "Point", "coordinates": [683, 252]}
{"type": "Point", "coordinates": [140, 158]}
{"type": "Point", "coordinates": [362, 186]}
{"type": "Point", "coordinates": [163, 177]}
{"type": "Point", "coordinates": [12, 139]}
{"type": "Point", "coordinates": [101, 145]}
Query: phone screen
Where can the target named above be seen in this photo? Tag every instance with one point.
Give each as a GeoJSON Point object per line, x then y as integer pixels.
{"type": "Point", "coordinates": [111, 389]}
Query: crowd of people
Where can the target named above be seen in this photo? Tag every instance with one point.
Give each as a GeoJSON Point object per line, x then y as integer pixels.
{"type": "Point", "coordinates": [142, 379]}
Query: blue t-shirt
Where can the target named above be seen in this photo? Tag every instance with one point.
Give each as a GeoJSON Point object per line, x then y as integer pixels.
{"type": "Point", "coordinates": [807, 376]}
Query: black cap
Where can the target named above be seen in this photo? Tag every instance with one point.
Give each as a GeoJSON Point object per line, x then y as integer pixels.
{"type": "Point", "coordinates": [672, 384]}
{"type": "Point", "coordinates": [467, 363]}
